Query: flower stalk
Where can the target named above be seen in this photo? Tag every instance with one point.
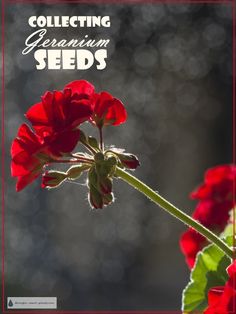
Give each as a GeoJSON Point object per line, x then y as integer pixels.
{"type": "Point", "coordinates": [174, 211]}
{"type": "Point", "coordinates": [101, 139]}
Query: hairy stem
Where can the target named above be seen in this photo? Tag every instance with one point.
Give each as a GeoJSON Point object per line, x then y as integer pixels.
{"type": "Point", "coordinates": [90, 149]}
{"type": "Point", "coordinates": [174, 211]}
{"type": "Point", "coordinates": [75, 160]}
{"type": "Point", "coordinates": [101, 139]}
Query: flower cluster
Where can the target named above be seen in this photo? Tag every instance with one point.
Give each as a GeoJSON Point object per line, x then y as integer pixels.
{"type": "Point", "coordinates": [222, 299]}
{"type": "Point", "coordinates": [55, 132]}
{"type": "Point", "coordinates": [216, 198]}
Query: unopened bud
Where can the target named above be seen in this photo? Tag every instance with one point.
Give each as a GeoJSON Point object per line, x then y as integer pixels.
{"type": "Point", "coordinates": [108, 198]}
{"type": "Point", "coordinates": [92, 177]}
{"type": "Point", "coordinates": [105, 185]}
{"type": "Point", "coordinates": [75, 171]}
{"type": "Point", "coordinates": [52, 179]}
{"type": "Point", "coordinates": [95, 198]}
{"type": "Point", "coordinates": [129, 161]}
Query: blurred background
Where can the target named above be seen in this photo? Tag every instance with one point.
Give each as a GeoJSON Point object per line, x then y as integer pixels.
{"type": "Point", "coordinates": [171, 66]}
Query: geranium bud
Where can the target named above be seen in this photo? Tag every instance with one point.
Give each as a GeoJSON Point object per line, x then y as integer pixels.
{"type": "Point", "coordinates": [95, 198]}
{"type": "Point", "coordinates": [108, 198]}
{"type": "Point", "coordinates": [92, 178]}
{"type": "Point", "coordinates": [75, 171]}
{"type": "Point", "coordinates": [52, 179]}
{"type": "Point", "coordinates": [105, 185]}
{"type": "Point", "coordinates": [129, 161]}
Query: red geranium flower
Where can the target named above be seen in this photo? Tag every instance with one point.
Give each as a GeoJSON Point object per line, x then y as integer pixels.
{"type": "Point", "coordinates": [222, 299]}
{"type": "Point", "coordinates": [61, 111]}
{"type": "Point", "coordinates": [55, 121]}
{"type": "Point", "coordinates": [28, 157]}
{"type": "Point", "coordinates": [216, 200]}
{"type": "Point", "coordinates": [30, 152]}
{"type": "Point", "coordinates": [107, 110]}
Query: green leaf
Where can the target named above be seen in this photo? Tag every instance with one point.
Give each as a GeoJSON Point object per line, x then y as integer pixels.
{"type": "Point", "coordinates": [209, 271]}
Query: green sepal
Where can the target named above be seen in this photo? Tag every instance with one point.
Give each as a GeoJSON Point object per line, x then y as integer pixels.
{"type": "Point", "coordinates": [75, 172]}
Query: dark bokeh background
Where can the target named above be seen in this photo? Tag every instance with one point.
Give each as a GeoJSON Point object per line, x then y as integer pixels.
{"type": "Point", "coordinates": [171, 66]}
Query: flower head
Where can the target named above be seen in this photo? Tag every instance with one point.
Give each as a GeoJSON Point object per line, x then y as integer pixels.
{"type": "Point", "coordinates": [55, 133]}
{"type": "Point", "coordinates": [216, 200]}
{"type": "Point", "coordinates": [107, 110]}
{"type": "Point", "coordinates": [59, 111]}
{"type": "Point", "coordinates": [29, 155]}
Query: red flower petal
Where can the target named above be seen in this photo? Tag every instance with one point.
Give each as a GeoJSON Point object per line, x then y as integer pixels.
{"type": "Point", "coordinates": [23, 181]}
{"type": "Point", "coordinates": [191, 243]}
{"type": "Point", "coordinates": [116, 113]}
{"type": "Point", "coordinates": [215, 197]}
{"type": "Point", "coordinates": [204, 191]}
{"type": "Point", "coordinates": [58, 112]}
{"type": "Point", "coordinates": [38, 116]}
{"type": "Point", "coordinates": [222, 299]}
{"type": "Point", "coordinates": [217, 174]}
{"type": "Point", "coordinates": [107, 110]}
{"type": "Point", "coordinates": [82, 88]}
{"type": "Point", "coordinates": [65, 142]}
{"type": "Point", "coordinates": [214, 295]}
{"type": "Point", "coordinates": [79, 112]}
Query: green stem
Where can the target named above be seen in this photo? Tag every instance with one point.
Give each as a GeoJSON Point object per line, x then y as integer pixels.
{"type": "Point", "coordinates": [101, 139]}
{"type": "Point", "coordinates": [93, 151]}
{"type": "Point", "coordinates": [174, 211]}
{"type": "Point", "coordinates": [77, 160]}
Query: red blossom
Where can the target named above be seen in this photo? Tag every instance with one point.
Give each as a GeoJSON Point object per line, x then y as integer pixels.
{"type": "Point", "coordinates": [27, 162]}
{"type": "Point", "coordinates": [222, 299]}
{"type": "Point", "coordinates": [30, 152]}
{"type": "Point", "coordinates": [107, 110]}
{"type": "Point", "coordinates": [191, 243]}
{"type": "Point", "coordinates": [216, 200]}
{"type": "Point", "coordinates": [55, 122]}
{"type": "Point", "coordinates": [59, 112]}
